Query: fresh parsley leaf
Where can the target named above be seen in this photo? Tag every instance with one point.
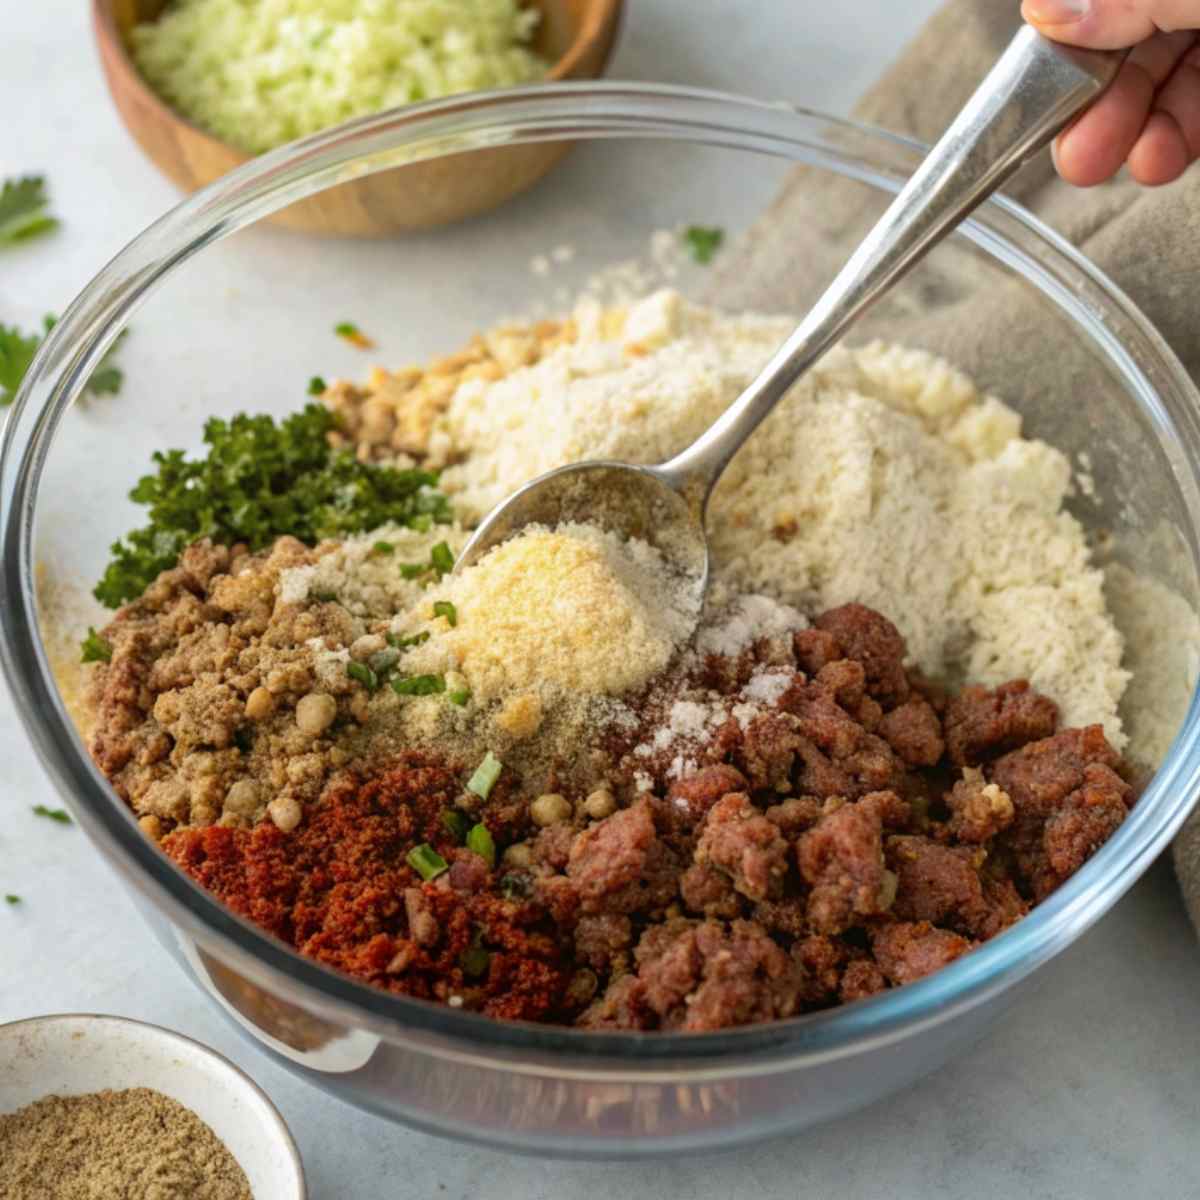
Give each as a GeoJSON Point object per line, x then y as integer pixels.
{"type": "Point", "coordinates": [9, 898]}
{"type": "Point", "coordinates": [95, 648]}
{"type": "Point", "coordinates": [55, 814]}
{"type": "Point", "coordinates": [445, 608]}
{"type": "Point", "coordinates": [383, 548]}
{"type": "Point", "coordinates": [703, 241]}
{"type": "Point", "coordinates": [316, 385]}
{"type": "Point", "coordinates": [23, 215]}
{"type": "Point", "coordinates": [258, 480]}
{"type": "Point", "coordinates": [16, 353]}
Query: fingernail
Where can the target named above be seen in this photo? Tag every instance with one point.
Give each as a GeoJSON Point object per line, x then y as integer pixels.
{"type": "Point", "coordinates": [1057, 12]}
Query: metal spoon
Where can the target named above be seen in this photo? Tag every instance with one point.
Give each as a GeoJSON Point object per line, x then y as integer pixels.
{"type": "Point", "coordinates": [1027, 98]}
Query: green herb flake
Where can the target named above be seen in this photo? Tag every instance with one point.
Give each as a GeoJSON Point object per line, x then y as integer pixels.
{"type": "Point", "coordinates": [317, 386]}
{"type": "Point", "coordinates": [94, 648]}
{"type": "Point", "coordinates": [383, 548]}
{"type": "Point", "coordinates": [413, 570]}
{"type": "Point", "coordinates": [460, 696]}
{"type": "Point", "coordinates": [345, 329]}
{"type": "Point", "coordinates": [455, 824]}
{"type": "Point", "coordinates": [54, 814]}
{"type": "Point", "coordinates": [324, 596]}
{"type": "Point", "coordinates": [486, 774]}
{"type": "Point", "coordinates": [442, 559]}
{"type": "Point", "coordinates": [480, 841]}
{"type": "Point", "coordinates": [363, 674]}
{"type": "Point", "coordinates": [475, 961]}
{"type": "Point", "coordinates": [23, 205]}
{"type": "Point", "coordinates": [703, 241]}
{"type": "Point", "coordinates": [403, 643]}
{"type": "Point", "coordinates": [9, 898]}
{"type": "Point", "coordinates": [352, 334]}
{"type": "Point", "coordinates": [257, 481]}
{"type": "Point", "coordinates": [444, 608]}
{"type": "Point", "coordinates": [426, 861]}
{"type": "Point", "coordinates": [17, 352]}
{"type": "Point", "coordinates": [515, 886]}
{"type": "Point", "coordinates": [419, 685]}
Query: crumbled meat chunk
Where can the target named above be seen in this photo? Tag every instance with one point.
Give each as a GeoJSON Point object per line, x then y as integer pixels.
{"type": "Point", "coordinates": [871, 639]}
{"type": "Point", "coordinates": [978, 810]}
{"type": "Point", "coordinates": [704, 889]}
{"type": "Point", "coordinates": [861, 978]}
{"type": "Point", "coordinates": [422, 924]}
{"type": "Point", "coordinates": [708, 976]}
{"type": "Point", "coordinates": [552, 846]}
{"type": "Point", "coordinates": [738, 840]}
{"type": "Point", "coordinates": [937, 883]}
{"type": "Point", "coordinates": [913, 730]}
{"type": "Point", "coordinates": [692, 796]}
{"type": "Point", "coordinates": [622, 1006]}
{"type": "Point", "coordinates": [814, 648]}
{"type": "Point", "coordinates": [795, 815]}
{"type": "Point", "coordinates": [619, 864]}
{"type": "Point", "coordinates": [842, 858]}
{"type": "Point", "coordinates": [908, 951]}
{"type": "Point", "coordinates": [600, 939]}
{"type": "Point", "coordinates": [984, 722]}
{"type": "Point", "coordinates": [469, 872]}
{"type": "Point", "coordinates": [768, 750]}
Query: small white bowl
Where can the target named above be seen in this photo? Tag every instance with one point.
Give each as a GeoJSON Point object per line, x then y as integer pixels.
{"type": "Point", "coordinates": [74, 1054]}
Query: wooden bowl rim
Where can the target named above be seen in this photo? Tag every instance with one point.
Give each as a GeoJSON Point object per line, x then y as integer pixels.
{"type": "Point", "coordinates": [601, 20]}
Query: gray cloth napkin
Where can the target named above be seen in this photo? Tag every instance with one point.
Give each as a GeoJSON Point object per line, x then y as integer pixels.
{"type": "Point", "coordinates": [1147, 240]}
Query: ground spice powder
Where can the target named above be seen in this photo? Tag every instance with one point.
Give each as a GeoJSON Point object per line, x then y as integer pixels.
{"type": "Point", "coordinates": [135, 1144]}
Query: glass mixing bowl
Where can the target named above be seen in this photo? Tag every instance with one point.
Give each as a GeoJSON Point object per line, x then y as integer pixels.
{"type": "Point", "coordinates": [682, 155]}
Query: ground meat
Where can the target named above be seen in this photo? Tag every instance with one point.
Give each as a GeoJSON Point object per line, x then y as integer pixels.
{"type": "Point", "coordinates": [913, 730]}
{"type": "Point", "coordinates": [814, 648]}
{"type": "Point", "coordinates": [795, 815]}
{"type": "Point", "coordinates": [906, 952]}
{"type": "Point", "coordinates": [842, 858]}
{"type": "Point", "coordinates": [619, 865]}
{"type": "Point", "coordinates": [622, 1006]}
{"type": "Point", "coordinates": [709, 976]}
{"type": "Point", "coordinates": [937, 883]}
{"type": "Point", "coordinates": [552, 846]}
{"type": "Point", "coordinates": [978, 810]}
{"type": "Point", "coordinates": [768, 750]}
{"type": "Point", "coordinates": [705, 890]}
{"type": "Point", "coordinates": [872, 640]}
{"type": "Point", "coordinates": [739, 841]}
{"type": "Point", "coordinates": [862, 978]}
{"type": "Point", "coordinates": [598, 940]}
{"type": "Point", "coordinates": [1067, 799]}
{"type": "Point", "coordinates": [692, 796]}
{"type": "Point", "coordinates": [984, 722]}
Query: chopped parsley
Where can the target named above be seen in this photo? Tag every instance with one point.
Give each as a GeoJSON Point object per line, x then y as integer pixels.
{"type": "Point", "coordinates": [459, 696]}
{"type": "Point", "coordinates": [363, 674]}
{"type": "Point", "coordinates": [403, 643]}
{"type": "Point", "coordinates": [486, 774]}
{"type": "Point", "coordinates": [316, 386]}
{"type": "Point", "coordinates": [351, 333]}
{"type": "Point", "coordinates": [479, 840]}
{"type": "Point", "coordinates": [23, 205]}
{"type": "Point", "coordinates": [54, 814]}
{"type": "Point", "coordinates": [94, 648]}
{"type": "Point", "coordinates": [703, 241]}
{"type": "Point", "coordinates": [9, 898]}
{"type": "Point", "coordinates": [383, 548]}
{"type": "Point", "coordinates": [444, 608]}
{"type": "Point", "coordinates": [442, 559]}
{"type": "Point", "coordinates": [419, 685]}
{"type": "Point", "coordinates": [260, 479]}
{"type": "Point", "coordinates": [426, 861]}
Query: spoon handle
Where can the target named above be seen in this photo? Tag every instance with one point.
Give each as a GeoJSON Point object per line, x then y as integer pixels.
{"type": "Point", "coordinates": [1027, 98]}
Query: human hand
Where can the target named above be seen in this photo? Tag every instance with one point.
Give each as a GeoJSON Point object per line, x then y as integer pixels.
{"type": "Point", "coordinates": [1150, 117]}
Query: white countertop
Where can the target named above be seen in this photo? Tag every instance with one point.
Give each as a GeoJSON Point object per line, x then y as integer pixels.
{"type": "Point", "coordinates": [1090, 1087]}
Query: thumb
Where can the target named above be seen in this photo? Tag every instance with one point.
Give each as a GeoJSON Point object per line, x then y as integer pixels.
{"type": "Point", "coordinates": [1110, 24]}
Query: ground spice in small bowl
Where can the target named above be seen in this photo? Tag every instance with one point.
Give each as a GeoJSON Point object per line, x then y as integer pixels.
{"type": "Point", "coordinates": [135, 1144]}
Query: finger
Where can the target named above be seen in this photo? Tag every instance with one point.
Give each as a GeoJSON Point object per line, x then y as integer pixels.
{"type": "Point", "coordinates": [1094, 148]}
{"type": "Point", "coordinates": [1160, 154]}
{"type": "Point", "coordinates": [1179, 97]}
{"type": "Point", "coordinates": [1110, 24]}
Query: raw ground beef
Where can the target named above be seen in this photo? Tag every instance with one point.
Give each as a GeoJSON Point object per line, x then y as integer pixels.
{"type": "Point", "coordinates": [855, 833]}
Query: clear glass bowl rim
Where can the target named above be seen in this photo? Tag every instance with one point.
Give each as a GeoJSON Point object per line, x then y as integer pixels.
{"type": "Point", "coordinates": [572, 112]}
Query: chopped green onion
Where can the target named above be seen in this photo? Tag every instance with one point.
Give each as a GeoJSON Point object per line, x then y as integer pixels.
{"type": "Point", "coordinates": [316, 385]}
{"type": "Point", "coordinates": [480, 841]}
{"type": "Point", "coordinates": [9, 898]}
{"type": "Point", "coordinates": [413, 570]}
{"type": "Point", "coordinates": [486, 774]}
{"type": "Point", "coordinates": [460, 697]}
{"type": "Point", "coordinates": [94, 648]}
{"type": "Point", "coordinates": [426, 861]}
{"type": "Point", "coordinates": [703, 241]}
{"type": "Point", "coordinates": [444, 608]}
{"type": "Point", "coordinates": [419, 685]}
{"type": "Point", "coordinates": [402, 643]}
{"type": "Point", "coordinates": [442, 559]}
{"type": "Point", "coordinates": [383, 548]}
{"type": "Point", "coordinates": [455, 824]}
{"type": "Point", "coordinates": [475, 961]}
{"type": "Point", "coordinates": [363, 674]}
{"type": "Point", "coordinates": [55, 814]}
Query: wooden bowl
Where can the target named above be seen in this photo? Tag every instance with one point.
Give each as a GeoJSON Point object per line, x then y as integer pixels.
{"type": "Point", "coordinates": [576, 35]}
